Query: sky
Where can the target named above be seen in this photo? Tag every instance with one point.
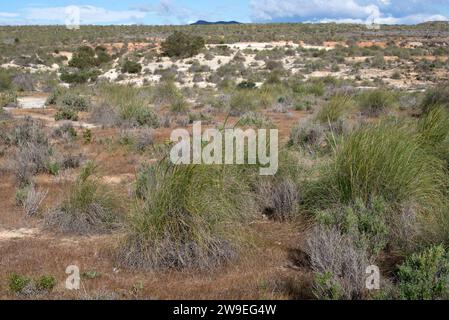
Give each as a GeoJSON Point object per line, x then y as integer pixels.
{"type": "Point", "coordinates": [175, 12]}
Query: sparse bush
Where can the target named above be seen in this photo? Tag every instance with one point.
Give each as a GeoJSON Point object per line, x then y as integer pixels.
{"type": "Point", "coordinates": [87, 136]}
{"type": "Point", "coordinates": [182, 45]}
{"type": "Point", "coordinates": [274, 65]}
{"type": "Point", "coordinates": [24, 286]}
{"type": "Point", "coordinates": [28, 130]}
{"type": "Point", "coordinates": [5, 80]}
{"type": "Point", "coordinates": [34, 151]}
{"type": "Point", "coordinates": [144, 139]}
{"type": "Point", "coordinates": [89, 207]}
{"type": "Point", "coordinates": [386, 160]}
{"type": "Point", "coordinates": [65, 131]}
{"type": "Point", "coordinates": [166, 92]}
{"type": "Point", "coordinates": [66, 114]}
{"type": "Point", "coordinates": [179, 106]}
{"type": "Point", "coordinates": [78, 76]}
{"type": "Point", "coordinates": [71, 161]}
{"type": "Point", "coordinates": [375, 102]}
{"type": "Point", "coordinates": [74, 101]}
{"type": "Point", "coordinates": [23, 82]}
{"type": "Point", "coordinates": [366, 223]}
{"type": "Point", "coordinates": [30, 199]}
{"type": "Point", "coordinates": [425, 276]}
{"type": "Point", "coordinates": [337, 260]}
{"type": "Point", "coordinates": [279, 199]}
{"type": "Point", "coordinates": [438, 95]}
{"type": "Point", "coordinates": [46, 283]}
{"type": "Point", "coordinates": [104, 115]}
{"type": "Point", "coordinates": [311, 137]}
{"type": "Point", "coordinates": [8, 99]}
{"type": "Point", "coordinates": [125, 103]}
{"type": "Point", "coordinates": [18, 283]}
{"type": "Point", "coordinates": [186, 218]}
{"type": "Point", "coordinates": [131, 67]}
{"type": "Point", "coordinates": [102, 55]}
{"type": "Point", "coordinates": [334, 109]}
{"type": "Point", "coordinates": [83, 58]}
{"type": "Point", "coordinates": [327, 287]}
{"type": "Point", "coordinates": [433, 130]}
{"type": "Point", "coordinates": [255, 119]}
{"type": "Point", "coordinates": [196, 67]}
{"type": "Point", "coordinates": [311, 87]}
{"type": "Point", "coordinates": [53, 98]}
{"type": "Point", "coordinates": [246, 85]}
{"type": "Point", "coordinates": [242, 101]}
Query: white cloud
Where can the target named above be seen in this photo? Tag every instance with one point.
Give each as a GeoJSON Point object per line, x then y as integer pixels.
{"type": "Point", "coordinates": [171, 12]}
{"type": "Point", "coordinates": [9, 18]}
{"type": "Point", "coordinates": [8, 15]}
{"type": "Point", "coordinates": [355, 11]}
{"type": "Point", "coordinates": [411, 19]}
{"type": "Point", "coordinates": [272, 9]}
{"type": "Point", "coordinates": [88, 15]}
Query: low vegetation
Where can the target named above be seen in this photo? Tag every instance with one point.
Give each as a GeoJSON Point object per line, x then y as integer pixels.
{"type": "Point", "coordinates": [185, 217]}
{"type": "Point", "coordinates": [363, 127]}
{"type": "Point", "coordinates": [89, 207]}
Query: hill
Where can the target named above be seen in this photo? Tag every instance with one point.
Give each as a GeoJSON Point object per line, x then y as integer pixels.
{"type": "Point", "coordinates": [203, 22]}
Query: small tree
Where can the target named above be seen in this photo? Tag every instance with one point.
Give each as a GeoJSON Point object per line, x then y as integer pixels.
{"type": "Point", "coordinates": [84, 58]}
{"type": "Point", "coordinates": [182, 45]}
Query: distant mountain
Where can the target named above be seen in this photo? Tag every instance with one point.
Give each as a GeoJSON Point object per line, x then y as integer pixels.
{"type": "Point", "coordinates": [203, 22]}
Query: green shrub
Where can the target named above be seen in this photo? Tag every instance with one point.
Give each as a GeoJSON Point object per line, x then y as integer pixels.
{"type": "Point", "coordinates": [386, 160]}
{"type": "Point", "coordinates": [66, 114]}
{"type": "Point", "coordinates": [53, 168]}
{"type": "Point", "coordinates": [375, 102]}
{"type": "Point", "coordinates": [21, 285]}
{"type": "Point", "coordinates": [246, 85]}
{"type": "Point", "coordinates": [179, 106]}
{"type": "Point", "coordinates": [102, 55]}
{"type": "Point", "coordinates": [8, 97]}
{"type": "Point", "coordinates": [185, 217]}
{"type": "Point", "coordinates": [56, 93]}
{"type": "Point", "coordinates": [334, 109]}
{"type": "Point", "coordinates": [326, 288]}
{"type": "Point", "coordinates": [438, 95]}
{"type": "Point", "coordinates": [146, 117]}
{"type": "Point", "coordinates": [338, 262]}
{"type": "Point", "coordinates": [46, 283]}
{"type": "Point", "coordinates": [65, 130]}
{"type": "Point", "coordinates": [166, 92]}
{"type": "Point", "coordinates": [366, 223]}
{"type": "Point", "coordinates": [5, 80]}
{"type": "Point", "coordinates": [129, 104]}
{"type": "Point", "coordinates": [242, 101]}
{"type": "Point", "coordinates": [131, 67]}
{"type": "Point", "coordinates": [182, 45]}
{"type": "Point", "coordinates": [73, 102]}
{"type": "Point", "coordinates": [311, 87]}
{"type": "Point", "coordinates": [433, 130]}
{"type": "Point", "coordinates": [81, 76]}
{"type": "Point", "coordinates": [87, 136]}
{"type": "Point", "coordinates": [92, 274]}
{"type": "Point", "coordinates": [88, 208]}
{"type": "Point", "coordinates": [84, 58]}
{"type": "Point", "coordinates": [18, 283]}
{"type": "Point", "coordinates": [255, 119]}
{"type": "Point", "coordinates": [310, 137]}
{"type": "Point", "coordinates": [425, 276]}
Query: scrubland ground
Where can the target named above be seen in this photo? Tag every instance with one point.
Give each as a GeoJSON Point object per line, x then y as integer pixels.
{"type": "Point", "coordinates": [363, 120]}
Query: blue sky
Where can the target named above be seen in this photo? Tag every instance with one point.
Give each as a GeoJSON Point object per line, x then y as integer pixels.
{"type": "Point", "coordinates": [186, 11]}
